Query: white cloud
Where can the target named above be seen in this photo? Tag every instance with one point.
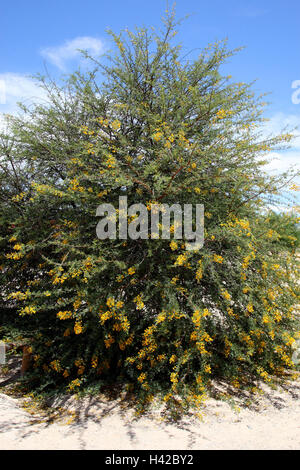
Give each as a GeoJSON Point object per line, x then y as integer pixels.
{"type": "Point", "coordinates": [280, 121]}
{"type": "Point", "coordinates": [278, 164]}
{"type": "Point", "coordinates": [283, 208]}
{"type": "Point", "coordinates": [282, 160]}
{"type": "Point", "coordinates": [18, 88]}
{"type": "Point", "coordinates": [60, 55]}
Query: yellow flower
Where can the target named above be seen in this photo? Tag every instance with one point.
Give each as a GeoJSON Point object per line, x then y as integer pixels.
{"type": "Point", "coordinates": [180, 260]}
{"type": "Point", "coordinates": [227, 349]}
{"type": "Point", "coordinates": [17, 246]}
{"type": "Point", "coordinates": [29, 310]}
{"type": "Point", "coordinates": [235, 383]}
{"type": "Point", "coordinates": [172, 359]}
{"type": "Point", "coordinates": [250, 308]}
{"type": "Point", "coordinates": [205, 312]}
{"type": "Point", "coordinates": [139, 302]}
{"type": "Point", "coordinates": [110, 162]}
{"type": "Point", "coordinates": [218, 259]}
{"type": "Point", "coordinates": [116, 124]}
{"type": "Point", "coordinates": [131, 271]}
{"type": "Point", "coordinates": [173, 245]}
{"type": "Point", "coordinates": [75, 383]}
{"type": "Point", "coordinates": [55, 365]}
{"type": "Point", "coordinates": [272, 334]}
{"type": "Point", "coordinates": [78, 328]}
{"type": "Point", "coordinates": [64, 315]}
{"type": "Point", "coordinates": [160, 318]}
{"type": "Point", "coordinates": [110, 302]}
{"type": "Point", "coordinates": [142, 377]}
{"type": "Point", "coordinates": [277, 316]}
{"type": "Point", "coordinates": [157, 136]}
{"type": "Point", "coordinates": [221, 114]}
{"type": "Point", "coordinates": [174, 378]}
{"type": "Point", "coordinates": [199, 272]}
{"type": "Point", "coordinates": [109, 341]}
{"type": "Point", "coordinates": [105, 316]}
{"type": "Point", "coordinates": [226, 295]}
{"type": "Point", "coordinates": [230, 311]}
{"type": "Point", "coordinates": [161, 357]}
{"type": "Point", "coordinates": [19, 295]}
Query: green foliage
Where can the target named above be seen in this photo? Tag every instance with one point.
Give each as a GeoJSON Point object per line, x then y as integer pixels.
{"type": "Point", "coordinates": [287, 226]}
{"type": "Point", "coordinates": [149, 125]}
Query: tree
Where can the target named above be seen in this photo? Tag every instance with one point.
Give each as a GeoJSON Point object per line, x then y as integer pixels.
{"type": "Point", "coordinates": [149, 313]}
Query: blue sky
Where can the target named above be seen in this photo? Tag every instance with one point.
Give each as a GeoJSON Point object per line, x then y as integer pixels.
{"type": "Point", "coordinates": [35, 32]}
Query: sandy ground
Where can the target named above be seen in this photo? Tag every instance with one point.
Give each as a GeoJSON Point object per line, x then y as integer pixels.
{"type": "Point", "coordinates": [267, 421]}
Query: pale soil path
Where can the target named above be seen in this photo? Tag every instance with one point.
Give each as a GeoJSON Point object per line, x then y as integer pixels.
{"type": "Point", "coordinates": [272, 421]}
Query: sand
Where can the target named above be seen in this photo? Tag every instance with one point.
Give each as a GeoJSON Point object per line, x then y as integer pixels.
{"type": "Point", "coordinates": [267, 421]}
